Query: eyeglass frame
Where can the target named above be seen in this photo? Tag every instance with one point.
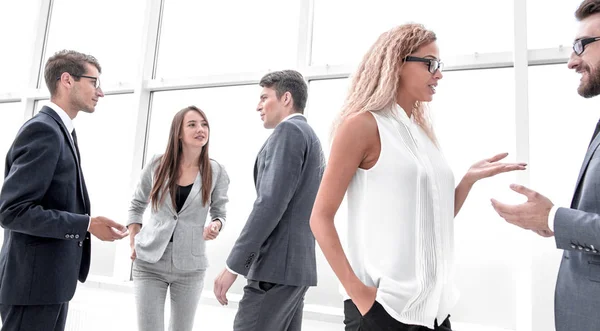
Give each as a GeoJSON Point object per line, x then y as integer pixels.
{"type": "Point", "coordinates": [430, 62]}
{"type": "Point", "coordinates": [97, 79]}
{"type": "Point", "coordinates": [583, 42]}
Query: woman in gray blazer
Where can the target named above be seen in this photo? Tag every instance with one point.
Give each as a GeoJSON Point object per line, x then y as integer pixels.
{"type": "Point", "coordinates": [168, 249]}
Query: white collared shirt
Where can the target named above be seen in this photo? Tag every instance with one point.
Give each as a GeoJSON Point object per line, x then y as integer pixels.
{"type": "Point", "coordinates": [290, 116]}
{"type": "Point", "coordinates": [67, 121]}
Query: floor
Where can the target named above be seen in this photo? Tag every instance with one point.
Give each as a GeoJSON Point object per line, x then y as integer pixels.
{"type": "Point", "coordinates": [100, 308]}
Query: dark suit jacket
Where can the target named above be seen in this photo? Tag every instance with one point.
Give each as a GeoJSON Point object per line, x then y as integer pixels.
{"type": "Point", "coordinates": [577, 232]}
{"type": "Point", "coordinates": [43, 209]}
{"type": "Point", "coordinates": [276, 244]}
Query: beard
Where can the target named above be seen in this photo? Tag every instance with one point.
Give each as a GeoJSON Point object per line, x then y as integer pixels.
{"type": "Point", "coordinates": [592, 87]}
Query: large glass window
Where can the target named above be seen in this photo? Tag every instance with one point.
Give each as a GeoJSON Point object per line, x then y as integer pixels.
{"type": "Point", "coordinates": [77, 25]}
{"type": "Point", "coordinates": [561, 126]}
{"type": "Point", "coordinates": [358, 24]}
{"type": "Point", "coordinates": [106, 143]}
{"type": "Point", "coordinates": [17, 35]}
{"type": "Point", "coordinates": [325, 99]}
{"type": "Point", "coordinates": [551, 25]}
{"type": "Point", "coordinates": [12, 119]}
{"type": "Point", "coordinates": [236, 136]}
{"type": "Point", "coordinates": [213, 37]}
{"type": "Point", "coordinates": [474, 122]}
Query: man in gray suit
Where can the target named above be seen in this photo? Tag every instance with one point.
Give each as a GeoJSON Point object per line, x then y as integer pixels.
{"type": "Point", "coordinates": [276, 249]}
{"type": "Point", "coordinates": [576, 229]}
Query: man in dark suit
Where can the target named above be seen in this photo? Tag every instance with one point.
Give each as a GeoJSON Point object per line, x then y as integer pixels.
{"type": "Point", "coordinates": [576, 229]}
{"type": "Point", "coordinates": [44, 204]}
{"type": "Point", "coordinates": [276, 249]}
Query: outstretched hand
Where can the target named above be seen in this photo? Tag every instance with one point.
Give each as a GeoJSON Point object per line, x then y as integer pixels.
{"type": "Point", "coordinates": [530, 215]}
{"type": "Point", "coordinates": [491, 167]}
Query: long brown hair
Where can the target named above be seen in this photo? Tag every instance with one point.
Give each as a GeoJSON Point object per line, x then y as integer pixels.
{"type": "Point", "coordinates": [375, 82]}
{"type": "Point", "coordinates": [167, 172]}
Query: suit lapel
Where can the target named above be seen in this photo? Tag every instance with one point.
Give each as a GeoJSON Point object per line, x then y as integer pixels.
{"type": "Point", "coordinates": [67, 135]}
{"type": "Point", "coordinates": [193, 192]}
{"type": "Point", "coordinates": [48, 111]}
{"type": "Point", "coordinates": [258, 159]}
{"type": "Point", "coordinates": [586, 161]}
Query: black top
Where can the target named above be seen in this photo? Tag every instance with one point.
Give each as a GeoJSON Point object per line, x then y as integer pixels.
{"type": "Point", "coordinates": [182, 194]}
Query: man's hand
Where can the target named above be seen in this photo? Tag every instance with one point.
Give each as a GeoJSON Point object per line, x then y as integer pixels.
{"type": "Point", "coordinates": [544, 233]}
{"type": "Point", "coordinates": [212, 230]}
{"type": "Point", "coordinates": [531, 215]}
{"type": "Point", "coordinates": [106, 229]}
{"type": "Point", "coordinates": [223, 283]}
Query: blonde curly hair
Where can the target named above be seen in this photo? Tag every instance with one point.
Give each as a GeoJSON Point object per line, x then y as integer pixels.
{"type": "Point", "coordinates": [375, 82]}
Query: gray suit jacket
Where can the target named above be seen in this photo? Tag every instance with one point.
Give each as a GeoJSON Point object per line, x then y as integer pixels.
{"type": "Point", "coordinates": [187, 226]}
{"type": "Point", "coordinates": [577, 232]}
{"type": "Point", "coordinates": [276, 244]}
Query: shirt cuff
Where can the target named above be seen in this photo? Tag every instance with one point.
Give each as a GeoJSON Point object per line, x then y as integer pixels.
{"type": "Point", "coordinates": [220, 220]}
{"type": "Point", "coordinates": [551, 216]}
{"type": "Point", "coordinates": [90, 223]}
{"type": "Point", "coordinates": [229, 269]}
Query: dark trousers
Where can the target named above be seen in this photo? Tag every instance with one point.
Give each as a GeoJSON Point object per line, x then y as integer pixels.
{"type": "Point", "coordinates": [270, 307]}
{"type": "Point", "coordinates": [377, 319]}
{"type": "Point", "coordinates": [34, 318]}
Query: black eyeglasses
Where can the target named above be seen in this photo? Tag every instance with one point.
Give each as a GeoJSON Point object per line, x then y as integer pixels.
{"type": "Point", "coordinates": [96, 79]}
{"type": "Point", "coordinates": [434, 65]}
{"type": "Point", "coordinates": [579, 45]}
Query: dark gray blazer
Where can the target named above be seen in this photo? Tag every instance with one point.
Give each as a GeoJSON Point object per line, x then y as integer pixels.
{"type": "Point", "coordinates": [577, 232]}
{"type": "Point", "coordinates": [44, 208]}
{"type": "Point", "coordinates": [276, 244]}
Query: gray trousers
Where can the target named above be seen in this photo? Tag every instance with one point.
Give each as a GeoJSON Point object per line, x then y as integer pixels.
{"type": "Point", "coordinates": [150, 283]}
{"type": "Point", "coordinates": [270, 307]}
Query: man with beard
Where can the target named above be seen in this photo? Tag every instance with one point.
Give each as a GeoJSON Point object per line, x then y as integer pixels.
{"type": "Point", "coordinates": [575, 229]}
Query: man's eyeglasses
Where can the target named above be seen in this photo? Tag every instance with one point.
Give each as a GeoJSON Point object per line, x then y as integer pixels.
{"type": "Point", "coordinates": [95, 79]}
{"type": "Point", "coordinates": [579, 45]}
{"type": "Point", "coordinates": [434, 65]}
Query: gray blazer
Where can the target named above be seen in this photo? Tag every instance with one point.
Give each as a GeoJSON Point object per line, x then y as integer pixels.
{"type": "Point", "coordinates": [276, 244]}
{"type": "Point", "coordinates": [577, 232]}
{"type": "Point", "coordinates": [187, 226]}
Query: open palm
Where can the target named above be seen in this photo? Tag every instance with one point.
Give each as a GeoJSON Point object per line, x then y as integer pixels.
{"type": "Point", "coordinates": [491, 167]}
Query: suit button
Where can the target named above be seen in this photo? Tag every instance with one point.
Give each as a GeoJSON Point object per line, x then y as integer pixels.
{"type": "Point", "coordinates": [573, 246]}
{"type": "Point", "coordinates": [72, 236]}
{"type": "Point", "coordinates": [587, 249]}
{"type": "Point", "coordinates": [80, 244]}
{"type": "Point", "coordinates": [252, 254]}
{"type": "Point", "coordinates": [67, 236]}
{"type": "Point", "coordinates": [580, 247]}
{"type": "Point", "coordinates": [76, 236]}
{"type": "Point", "coordinates": [595, 251]}
{"type": "Point", "coordinates": [175, 218]}
{"type": "Point", "coordinates": [247, 266]}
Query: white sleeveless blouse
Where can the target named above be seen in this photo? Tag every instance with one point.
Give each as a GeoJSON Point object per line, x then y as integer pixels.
{"type": "Point", "coordinates": [400, 223]}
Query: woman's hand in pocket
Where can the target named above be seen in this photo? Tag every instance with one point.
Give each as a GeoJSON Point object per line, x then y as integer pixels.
{"type": "Point", "coordinates": [364, 297]}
